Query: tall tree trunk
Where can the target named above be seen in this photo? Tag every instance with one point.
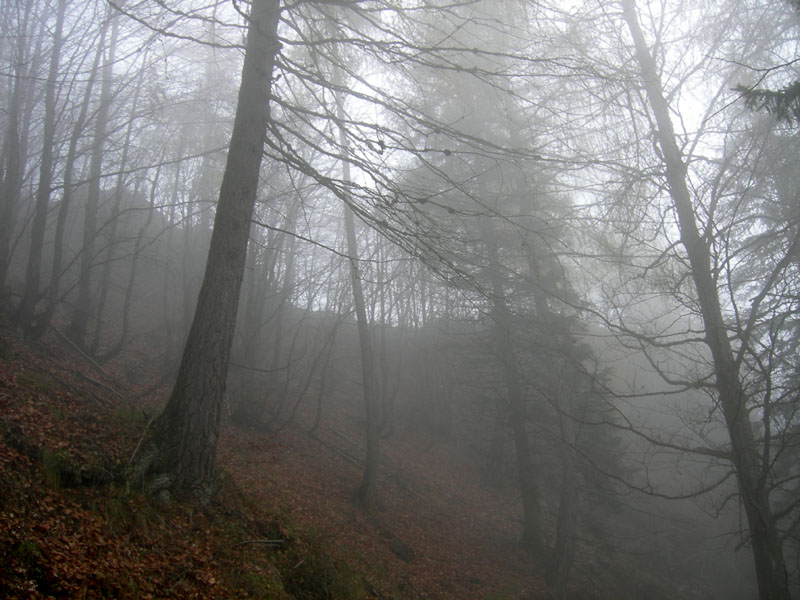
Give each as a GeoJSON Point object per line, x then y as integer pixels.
{"type": "Point", "coordinates": [30, 295]}
{"type": "Point", "coordinates": [504, 347]}
{"type": "Point", "coordinates": [131, 286]}
{"type": "Point", "coordinates": [182, 455]}
{"type": "Point", "coordinates": [566, 525]}
{"type": "Point", "coordinates": [53, 293]}
{"type": "Point", "coordinates": [751, 476]}
{"type": "Point", "coordinates": [279, 319]}
{"type": "Point", "coordinates": [13, 154]}
{"type": "Point", "coordinates": [287, 288]}
{"type": "Point", "coordinates": [119, 192]}
{"type": "Point", "coordinates": [563, 553]}
{"type": "Point", "coordinates": [83, 306]}
{"type": "Point", "coordinates": [365, 494]}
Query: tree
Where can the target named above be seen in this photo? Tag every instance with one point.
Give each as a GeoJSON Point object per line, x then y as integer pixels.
{"type": "Point", "coordinates": [79, 122]}
{"type": "Point", "coordinates": [181, 457]}
{"type": "Point", "coordinates": [365, 494]}
{"type": "Point", "coordinates": [17, 126]}
{"type": "Point", "coordinates": [506, 352]}
{"type": "Point", "coordinates": [679, 219]}
{"type": "Point", "coordinates": [85, 301]}
{"type": "Point", "coordinates": [732, 394]}
{"type": "Point", "coordinates": [784, 103]}
{"type": "Point", "coordinates": [26, 309]}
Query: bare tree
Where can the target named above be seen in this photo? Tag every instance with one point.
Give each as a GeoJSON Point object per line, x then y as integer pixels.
{"type": "Point", "coordinates": [17, 126]}
{"type": "Point", "coordinates": [30, 294]}
{"type": "Point", "coordinates": [751, 472]}
{"type": "Point", "coordinates": [84, 302]}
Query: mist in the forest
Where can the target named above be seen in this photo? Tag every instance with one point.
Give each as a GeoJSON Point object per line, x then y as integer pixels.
{"type": "Point", "coordinates": [558, 243]}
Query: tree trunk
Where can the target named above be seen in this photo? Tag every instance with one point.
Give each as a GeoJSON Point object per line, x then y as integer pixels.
{"type": "Point", "coordinates": [30, 295]}
{"type": "Point", "coordinates": [117, 347]}
{"type": "Point", "coordinates": [287, 287]}
{"type": "Point", "coordinates": [563, 554]}
{"type": "Point", "coordinates": [767, 547]}
{"type": "Point", "coordinates": [13, 156]}
{"type": "Point", "coordinates": [365, 494]}
{"type": "Point", "coordinates": [119, 192]}
{"type": "Point", "coordinates": [53, 293]}
{"type": "Point", "coordinates": [504, 347]}
{"type": "Point", "coordinates": [183, 450]}
{"type": "Point", "coordinates": [566, 527]}
{"type": "Point", "coordinates": [526, 475]}
{"type": "Point", "coordinates": [83, 307]}
{"type": "Point", "coordinates": [568, 504]}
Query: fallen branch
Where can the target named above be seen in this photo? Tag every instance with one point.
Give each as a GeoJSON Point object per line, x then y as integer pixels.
{"type": "Point", "coordinates": [343, 453]}
{"type": "Point", "coordinates": [108, 388]}
{"type": "Point", "coordinates": [92, 362]}
{"type": "Point", "coordinates": [141, 439]}
{"type": "Point", "coordinates": [75, 346]}
{"type": "Point", "coordinates": [273, 543]}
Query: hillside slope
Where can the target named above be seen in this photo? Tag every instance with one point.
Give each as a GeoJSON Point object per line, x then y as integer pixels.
{"type": "Point", "coordinates": [282, 526]}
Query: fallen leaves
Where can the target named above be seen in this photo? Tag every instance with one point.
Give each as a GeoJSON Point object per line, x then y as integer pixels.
{"type": "Point", "coordinates": [437, 532]}
{"type": "Point", "coordinates": [103, 540]}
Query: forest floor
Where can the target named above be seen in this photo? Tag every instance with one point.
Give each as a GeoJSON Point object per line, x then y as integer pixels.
{"type": "Point", "coordinates": [283, 525]}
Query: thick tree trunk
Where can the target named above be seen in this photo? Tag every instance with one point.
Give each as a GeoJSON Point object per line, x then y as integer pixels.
{"type": "Point", "coordinates": [767, 548]}
{"type": "Point", "coordinates": [182, 456]}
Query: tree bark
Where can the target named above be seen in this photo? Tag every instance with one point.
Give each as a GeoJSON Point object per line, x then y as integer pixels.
{"type": "Point", "coordinates": [183, 450]}
{"type": "Point", "coordinates": [766, 543]}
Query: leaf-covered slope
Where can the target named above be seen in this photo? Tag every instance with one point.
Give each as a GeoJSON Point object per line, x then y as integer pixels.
{"type": "Point", "coordinates": [282, 526]}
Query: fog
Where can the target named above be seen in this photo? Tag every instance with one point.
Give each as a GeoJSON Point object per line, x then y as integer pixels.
{"type": "Point", "coordinates": [560, 241]}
